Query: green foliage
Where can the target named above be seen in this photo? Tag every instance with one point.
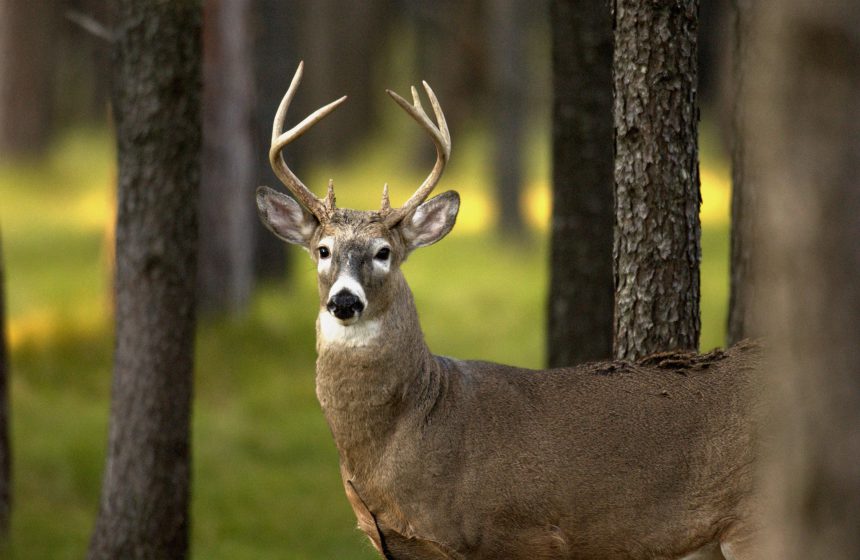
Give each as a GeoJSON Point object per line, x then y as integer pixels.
{"type": "Point", "coordinates": [266, 482]}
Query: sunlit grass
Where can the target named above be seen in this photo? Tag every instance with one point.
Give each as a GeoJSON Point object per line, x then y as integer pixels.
{"type": "Point", "coordinates": [266, 483]}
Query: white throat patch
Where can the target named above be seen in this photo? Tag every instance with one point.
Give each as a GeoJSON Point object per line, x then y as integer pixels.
{"type": "Point", "coordinates": [332, 331]}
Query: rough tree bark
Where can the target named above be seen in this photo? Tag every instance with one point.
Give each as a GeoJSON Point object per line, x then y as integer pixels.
{"type": "Point", "coordinates": [581, 300]}
{"type": "Point", "coordinates": [802, 137]}
{"type": "Point", "coordinates": [156, 98]}
{"type": "Point", "coordinates": [657, 248]}
{"type": "Point", "coordinates": [5, 447]}
{"type": "Point", "coordinates": [227, 217]}
{"type": "Point", "coordinates": [26, 72]}
{"type": "Point", "coordinates": [744, 210]}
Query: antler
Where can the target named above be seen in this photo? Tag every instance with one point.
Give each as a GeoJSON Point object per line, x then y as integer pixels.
{"type": "Point", "coordinates": [441, 138]}
{"type": "Point", "coordinates": [321, 208]}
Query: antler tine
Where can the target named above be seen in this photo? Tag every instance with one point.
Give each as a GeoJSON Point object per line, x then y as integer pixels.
{"type": "Point", "coordinates": [317, 206]}
{"type": "Point", "coordinates": [441, 138]}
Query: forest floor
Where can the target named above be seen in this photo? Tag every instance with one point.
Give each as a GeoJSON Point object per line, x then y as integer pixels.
{"type": "Point", "coordinates": [265, 480]}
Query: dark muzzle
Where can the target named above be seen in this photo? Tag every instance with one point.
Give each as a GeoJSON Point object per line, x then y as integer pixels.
{"type": "Point", "coordinates": [345, 305]}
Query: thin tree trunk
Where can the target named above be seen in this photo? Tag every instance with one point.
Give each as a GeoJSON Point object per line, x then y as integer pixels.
{"type": "Point", "coordinates": [277, 25]}
{"type": "Point", "coordinates": [509, 77]}
{"type": "Point", "coordinates": [451, 54]}
{"type": "Point", "coordinates": [156, 97]}
{"type": "Point", "coordinates": [657, 233]}
{"type": "Point", "coordinates": [742, 295]}
{"type": "Point", "coordinates": [581, 295]}
{"type": "Point", "coordinates": [5, 447]}
{"type": "Point", "coordinates": [802, 137]}
{"type": "Point", "coordinates": [342, 41]}
{"type": "Point", "coordinates": [26, 71]}
{"type": "Point", "coordinates": [227, 219]}
{"type": "Point", "coordinates": [82, 62]}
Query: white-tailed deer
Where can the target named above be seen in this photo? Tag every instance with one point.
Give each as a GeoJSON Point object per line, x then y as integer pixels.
{"type": "Point", "coordinates": [443, 458]}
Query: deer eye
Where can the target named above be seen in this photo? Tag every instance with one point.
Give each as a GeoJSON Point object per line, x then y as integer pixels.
{"type": "Point", "coordinates": [324, 252]}
{"type": "Point", "coordinates": [383, 254]}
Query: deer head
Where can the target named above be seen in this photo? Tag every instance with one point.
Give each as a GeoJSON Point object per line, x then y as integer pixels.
{"type": "Point", "coordinates": [356, 251]}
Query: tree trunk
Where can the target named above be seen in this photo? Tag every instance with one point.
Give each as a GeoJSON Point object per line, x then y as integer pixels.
{"type": "Point", "coordinates": [277, 25]}
{"type": "Point", "coordinates": [657, 233]}
{"type": "Point", "coordinates": [5, 447]}
{"type": "Point", "coordinates": [580, 296]}
{"type": "Point", "coordinates": [156, 98]}
{"type": "Point", "coordinates": [802, 137]}
{"type": "Point", "coordinates": [742, 295]}
{"type": "Point", "coordinates": [26, 70]}
{"type": "Point", "coordinates": [451, 54]}
{"type": "Point", "coordinates": [342, 42]}
{"type": "Point", "coordinates": [227, 217]}
{"type": "Point", "coordinates": [509, 78]}
{"type": "Point", "coordinates": [82, 62]}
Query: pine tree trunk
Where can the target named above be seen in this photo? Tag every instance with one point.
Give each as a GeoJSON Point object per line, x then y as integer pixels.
{"type": "Point", "coordinates": [227, 217]}
{"type": "Point", "coordinates": [802, 137]}
{"type": "Point", "coordinates": [342, 41]}
{"type": "Point", "coordinates": [657, 233]}
{"type": "Point", "coordinates": [277, 24]}
{"type": "Point", "coordinates": [581, 296]}
{"type": "Point", "coordinates": [26, 72]}
{"type": "Point", "coordinates": [509, 77]}
{"type": "Point", "coordinates": [5, 447]}
{"type": "Point", "coordinates": [156, 98]}
{"type": "Point", "coordinates": [744, 210]}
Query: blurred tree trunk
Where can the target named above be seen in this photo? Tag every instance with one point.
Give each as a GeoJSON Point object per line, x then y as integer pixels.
{"type": "Point", "coordinates": [452, 54]}
{"type": "Point", "coordinates": [509, 78]}
{"type": "Point", "coordinates": [742, 293]}
{"type": "Point", "coordinates": [657, 233]}
{"type": "Point", "coordinates": [26, 67]}
{"type": "Point", "coordinates": [5, 447]}
{"type": "Point", "coordinates": [83, 62]}
{"type": "Point", "coordinates": [581, 296]}
{"type": "Point", "coordinates": [714, 36]}
{"type": "Point", "coordinates": [156, 95]}
{"type": "Point", "coordinates": [277, 24]}
{"type": "Point", "coordinates": [227, 217]}
{"type": "Point", "coordinates": [342, 41]}
{"type": "Point", "coordinates": [802, 138]}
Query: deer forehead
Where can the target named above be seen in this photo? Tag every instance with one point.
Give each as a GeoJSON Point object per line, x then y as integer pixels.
{"type": "Point", "coordinates": [352, 247]}
{"type": "Point", "coordinates": [356, 230]}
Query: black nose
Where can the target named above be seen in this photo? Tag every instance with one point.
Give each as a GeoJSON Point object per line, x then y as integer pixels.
{"type": "Point", "coordinates": [344, 305]}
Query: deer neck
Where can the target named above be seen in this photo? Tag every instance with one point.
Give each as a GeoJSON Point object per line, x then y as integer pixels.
{"type": "Point", "coordinates": [371, 375]}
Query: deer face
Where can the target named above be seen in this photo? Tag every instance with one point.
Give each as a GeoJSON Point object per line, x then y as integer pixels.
{"type": "Point", "coordinates": [356, 252]}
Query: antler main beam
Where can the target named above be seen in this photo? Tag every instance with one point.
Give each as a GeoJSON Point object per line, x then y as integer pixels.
{"type": "Point", "coordinates": [320, 208]}
{"type": "Point", "coordinates": [441, 138]}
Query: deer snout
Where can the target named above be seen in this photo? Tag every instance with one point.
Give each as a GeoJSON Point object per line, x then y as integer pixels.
{"type": "Point", "coordinates": [345, 305]}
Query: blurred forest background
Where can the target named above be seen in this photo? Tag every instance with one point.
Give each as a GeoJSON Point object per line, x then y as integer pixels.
{"type": "Point", "coordinates": [265, 479]}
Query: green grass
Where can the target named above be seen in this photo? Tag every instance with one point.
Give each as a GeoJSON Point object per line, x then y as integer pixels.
{"type": "Point", "coordinates": [266, 483]}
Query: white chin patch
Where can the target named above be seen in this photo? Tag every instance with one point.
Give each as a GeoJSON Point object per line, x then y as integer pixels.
{"type": "Point", "coordinates": [352, 333]}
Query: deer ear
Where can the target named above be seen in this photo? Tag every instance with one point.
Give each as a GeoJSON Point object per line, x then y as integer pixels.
{"type": "Point", "coordinates": [431, 221]}
{"type": "Point", "coordinates": [285, 217]}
